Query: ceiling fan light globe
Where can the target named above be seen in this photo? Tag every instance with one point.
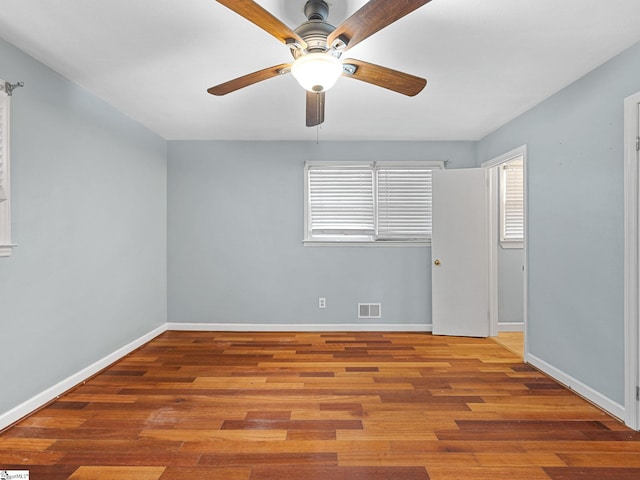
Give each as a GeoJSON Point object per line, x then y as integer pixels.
{"type": "Point", "coordinates": [317, 72]}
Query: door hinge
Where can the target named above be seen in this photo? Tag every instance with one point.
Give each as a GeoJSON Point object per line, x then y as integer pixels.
{"type": "Point", "coordinates": [638, 393]}
{"type": "Point", "coordinates": [637, 144]}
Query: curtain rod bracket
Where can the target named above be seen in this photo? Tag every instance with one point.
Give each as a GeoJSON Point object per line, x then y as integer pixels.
{"type": "Point", "coordinates": [10, 87]}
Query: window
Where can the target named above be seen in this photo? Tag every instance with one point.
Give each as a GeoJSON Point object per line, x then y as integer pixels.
{"type": "Point", "coordinates": [512, 203]}
{"type": "Point", "coordinates": [340, 202]}
{"type": "Point", "coordinates": [368, 202]}
{"type": "Point", "coordinates": [5, 213]}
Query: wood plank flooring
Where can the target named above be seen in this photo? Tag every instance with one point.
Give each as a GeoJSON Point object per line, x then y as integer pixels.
{"type": "Point", "coordinates": [512, 341]}
{"type": "Point", "coordinates": [338, 406]}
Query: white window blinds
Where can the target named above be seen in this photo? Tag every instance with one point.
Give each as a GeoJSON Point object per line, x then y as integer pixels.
{"type": "Point", "coordinates": [368, 201]}
{"type": "Point", "coordinates": [512, 201]}
{"type": "Point", "coordinates": [340, 201]}
{"type": "Point", "coordinates": [404, 202]}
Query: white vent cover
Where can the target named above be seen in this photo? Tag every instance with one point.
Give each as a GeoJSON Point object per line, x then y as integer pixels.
{"type": "Point", "coordinates": [369, 310]}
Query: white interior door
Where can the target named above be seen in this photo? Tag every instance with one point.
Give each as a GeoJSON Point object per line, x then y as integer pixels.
{"type": "Point", "coordinates": [460, 253]}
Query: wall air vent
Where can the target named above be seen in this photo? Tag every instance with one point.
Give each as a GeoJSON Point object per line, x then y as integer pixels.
{"type": "Point", "coordinates": [369, 310]}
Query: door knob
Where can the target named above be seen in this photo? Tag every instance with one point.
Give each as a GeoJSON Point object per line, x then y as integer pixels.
{"type": "Point", "coordinates": [436, 262]}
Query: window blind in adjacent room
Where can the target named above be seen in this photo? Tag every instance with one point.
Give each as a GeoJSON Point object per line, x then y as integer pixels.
{"type": "Point", "coordinates": [512, 213]}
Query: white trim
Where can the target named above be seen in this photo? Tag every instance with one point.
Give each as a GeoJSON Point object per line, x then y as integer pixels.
{"type": "Point", "coordinates": [631, 262]}
{"type": "Point", "coordinates": [5, 175]}
{"type": "Point", "coordinates": [494, 238]}
{"type": "Point", "coordinates": [493, 219]}
{"type": "Point", "coordinates": [5, 250]}
{"type": "Point", "coordinates": [300, 327]}
{"type": "Point", "coordinates": [371, 243]}
{"type": "Point", "coordinates": [577, 386]}
{"type": "Point", "coordinates": [505, 157]}
{"type": "Point", "coordinates": [511, 326]}
{"type": "Point", "coordinates": [53, 392]}
{"type": "Point", "coordinates": [511, 244]}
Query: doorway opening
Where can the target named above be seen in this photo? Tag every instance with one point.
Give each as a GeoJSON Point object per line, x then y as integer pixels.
{"type": "Point", "coordinates": [507, 249]}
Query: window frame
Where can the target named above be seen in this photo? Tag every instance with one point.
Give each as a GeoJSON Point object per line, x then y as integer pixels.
{"type": "Point", "coordinates": [362, 240]}
{"type": "Point", "coordinates": [5, 205]}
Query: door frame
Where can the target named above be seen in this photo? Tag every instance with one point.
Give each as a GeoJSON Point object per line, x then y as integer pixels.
{"type": "Point", "coordinates": [494, 223]}
{"type": "Point", "coordinates": [631, 262]}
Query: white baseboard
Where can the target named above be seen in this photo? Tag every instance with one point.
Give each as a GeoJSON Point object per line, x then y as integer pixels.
{"type": "Point", "coordinates": [511, 326]}
{"type": "Point", "coordinates": [577, 386]}
{"type": "Point", "coordinates": [300, 327]}
{"type": "Point", "coordinates": [51, 393]}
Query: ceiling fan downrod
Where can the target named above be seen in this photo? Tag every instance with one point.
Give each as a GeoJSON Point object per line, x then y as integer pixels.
{"type": "Point", "coordinates": [316, 10]}
{"type": "Point", "coordinates": [315, 30]}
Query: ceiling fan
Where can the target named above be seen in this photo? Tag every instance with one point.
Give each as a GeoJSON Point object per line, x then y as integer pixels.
{"type": "Point", "coordinates": [317, 47]}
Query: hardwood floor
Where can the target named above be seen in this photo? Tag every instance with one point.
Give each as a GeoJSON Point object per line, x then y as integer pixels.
{"type": "Point", "coordinates": [337, 406]}
{"type": "Point", "coordinates": [512, 341]}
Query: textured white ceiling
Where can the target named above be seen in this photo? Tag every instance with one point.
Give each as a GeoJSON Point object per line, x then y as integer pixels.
{"type": "Point", "coordinates": [486, 62]}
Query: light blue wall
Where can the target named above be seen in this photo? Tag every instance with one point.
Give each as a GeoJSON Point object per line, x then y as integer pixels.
{"type": "Point", "coordinates": [575, 222]}
{"type": "Point", "coordinates": [89, 214]}
{"type": "Point", "coordinates": [510, 285]}
{"type": "Point", "coordinates": [235, 238]}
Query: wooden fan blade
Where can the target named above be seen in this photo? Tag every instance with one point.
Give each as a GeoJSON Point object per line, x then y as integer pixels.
{"type": "Point", "coordinates": [315, 108]}
{"type": "Point", "coordinates": [249, 79]}
{"type": "Point", "coordinates": [371, 18]}
{"type": "Point", "coordinates": [384, 77]}
{"type": "Point", "coordinates": [263, 19]}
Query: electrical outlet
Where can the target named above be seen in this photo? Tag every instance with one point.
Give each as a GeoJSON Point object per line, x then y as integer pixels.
{"type": "Point", "coordinates": [322, 302]}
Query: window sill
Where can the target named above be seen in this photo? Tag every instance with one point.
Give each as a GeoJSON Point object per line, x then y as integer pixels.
{"type": "Point", "coordinates": [513, 244]}
{"type": "Point", "coordinates": [5, 250]}
{"type": "Point", "coordinates": [356, 243]}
